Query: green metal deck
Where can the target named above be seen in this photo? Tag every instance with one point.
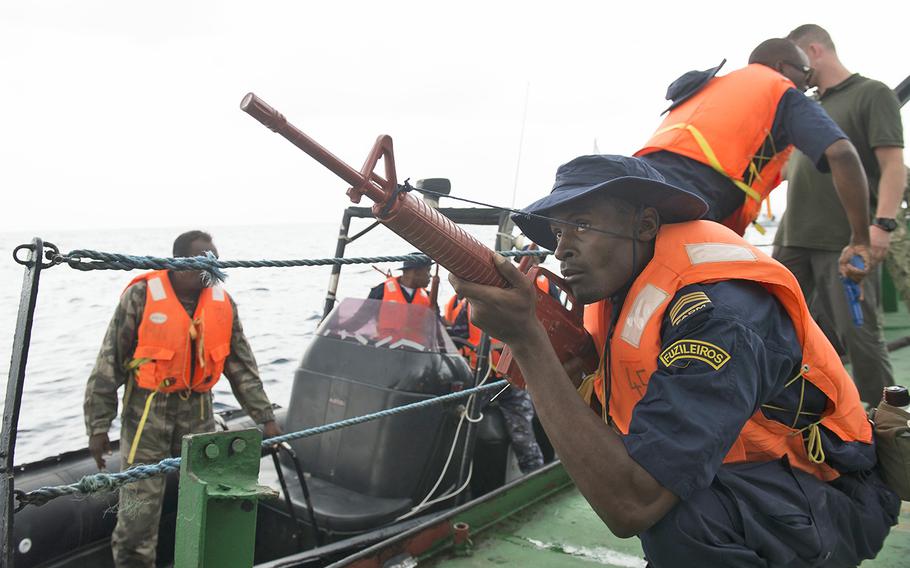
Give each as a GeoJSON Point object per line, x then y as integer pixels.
{"type": "Point", "coordinates": [563, 531]}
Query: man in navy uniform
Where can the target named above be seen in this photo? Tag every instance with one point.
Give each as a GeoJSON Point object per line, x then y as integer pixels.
{"type": "Point", "coordinates": [725, 430]}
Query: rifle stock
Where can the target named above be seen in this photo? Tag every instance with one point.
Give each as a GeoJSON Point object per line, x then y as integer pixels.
{"type": "Point", "coordinates": [427, 229]}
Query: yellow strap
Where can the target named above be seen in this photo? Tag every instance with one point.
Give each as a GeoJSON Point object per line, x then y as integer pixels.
{"type": "Point", "coordinates": [145, 415]}
{"type": "Point", "coordinates": [782, 409]}
{"type": "Point", "coordinates": [711, 156]}
{"type": "Point", "coordinates": [136, 363]}
{"type": "Point", "coordinates": [802, 371]}
{"type": "Point", "coordinates": [586, 388]}
{"type": "Point", "coordinates": [814, 450]}
{"type": "Point", "coordinates": [814, 444]}
{"type": "Point", "coordinates": [753, 173]}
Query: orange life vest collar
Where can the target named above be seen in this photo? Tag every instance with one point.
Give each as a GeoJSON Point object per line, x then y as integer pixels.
{"type": "Point", "coordinates": [725, 126]}
{"type": "Point", "coordinates": [174, 352]}
{"type": "Point", "coordinates": [704, 252]}
{"type": "Point", "coordinates": [394, 293]}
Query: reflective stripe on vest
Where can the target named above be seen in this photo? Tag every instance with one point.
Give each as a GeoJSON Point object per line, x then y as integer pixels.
{"type": "Point", "coordinates": [702, 129]}
{"type": "Point", "coordinates": [703, 251]}
{"type": "Point", "coordinates": [170, 345]}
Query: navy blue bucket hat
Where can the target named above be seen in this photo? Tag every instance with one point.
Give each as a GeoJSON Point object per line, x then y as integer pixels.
{"type": "Point", "coordinates": [623, 177]}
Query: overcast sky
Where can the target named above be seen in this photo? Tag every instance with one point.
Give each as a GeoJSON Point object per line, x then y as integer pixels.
{"type": "Point", "coordinates": [119, 114]}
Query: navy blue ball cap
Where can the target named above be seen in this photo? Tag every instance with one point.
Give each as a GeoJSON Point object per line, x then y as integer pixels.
{"type": "Point", "coordinates": [622, 177]}
{"type": "Point", "coordinates": [417, 262]}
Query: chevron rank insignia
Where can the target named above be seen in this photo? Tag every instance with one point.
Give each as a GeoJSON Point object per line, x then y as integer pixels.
{"type": "Point", "coordinates": [703, 351]}
{"type": "Point", "coordinates": [686, 305]}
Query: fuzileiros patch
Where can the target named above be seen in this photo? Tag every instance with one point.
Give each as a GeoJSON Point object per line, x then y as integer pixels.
{"type": "Point", "coordinates": [704, 351]}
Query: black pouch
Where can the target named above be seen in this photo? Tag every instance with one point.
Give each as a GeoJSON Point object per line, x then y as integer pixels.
{"type": "Point", "coordinates": [892, 442]}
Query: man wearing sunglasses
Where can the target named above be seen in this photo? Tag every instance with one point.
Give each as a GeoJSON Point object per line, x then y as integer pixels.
{"type": "Point", "coordinates": [814, 227]}
{"type": "Point", "coordinates": [727, 139]}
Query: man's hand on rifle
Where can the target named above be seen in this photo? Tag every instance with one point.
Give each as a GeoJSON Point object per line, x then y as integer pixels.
{"type": "Point", "coordinates": [504, 313]}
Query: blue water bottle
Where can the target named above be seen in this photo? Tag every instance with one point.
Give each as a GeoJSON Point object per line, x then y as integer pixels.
{"type": "Point", "coordinates": [852, 290]}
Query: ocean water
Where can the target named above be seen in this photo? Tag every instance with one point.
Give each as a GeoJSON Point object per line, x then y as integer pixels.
{"type": "Point", "coordinates": [279, 309]}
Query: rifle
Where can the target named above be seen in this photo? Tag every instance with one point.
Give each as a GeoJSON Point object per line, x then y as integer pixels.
{"type": "Point", "coordinates": [435, 235]}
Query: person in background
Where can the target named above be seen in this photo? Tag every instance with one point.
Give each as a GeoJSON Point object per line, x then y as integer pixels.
{"type": "Point", "coordinates": [897, 261]}
{"type": "Point", "coordinates": [815, 227]}
{"type": "Point", "coordinates": [171, 338]}
{"type": "Point", "coordinates": [514, 404]}
{"type": "Point", "coordinates": [410, 287]}
{"type": "Point", "coordinates": [726, 139]}
{"type": "Point", "coordinates": [725, 431]}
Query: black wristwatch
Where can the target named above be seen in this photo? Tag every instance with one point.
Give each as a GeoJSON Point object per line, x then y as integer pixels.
{"type": "Point", "coordinates": [885, 223]}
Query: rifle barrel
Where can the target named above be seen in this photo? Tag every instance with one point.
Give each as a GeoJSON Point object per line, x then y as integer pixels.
{"type": "Point", "coordinates": [276, 122]}
{"type": "Point", "coordinates": [416, 222]}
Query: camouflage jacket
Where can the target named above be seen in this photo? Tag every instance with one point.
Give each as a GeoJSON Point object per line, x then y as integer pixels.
{"type": "Point", "coordinates": [111, 372]}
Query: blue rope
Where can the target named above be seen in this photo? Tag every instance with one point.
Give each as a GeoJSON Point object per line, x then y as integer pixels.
{"type": "Point", "coordinates": [83, 259]}
{"type": "Point", "coordinates": [382, 413]}
{"type": "Point", "coordinates": [99, 482]}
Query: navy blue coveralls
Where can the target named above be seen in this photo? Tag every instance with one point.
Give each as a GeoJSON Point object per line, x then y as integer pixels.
{"type": "Point", "coordinates": [752, 514]}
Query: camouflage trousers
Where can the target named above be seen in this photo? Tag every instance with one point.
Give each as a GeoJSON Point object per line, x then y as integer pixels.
{"type": "Point", "coordinates": [170, 417]}
{"type": "Point", "coordinates": [898, 260]}
{"type": "Point", "coordinates": [518, 412]}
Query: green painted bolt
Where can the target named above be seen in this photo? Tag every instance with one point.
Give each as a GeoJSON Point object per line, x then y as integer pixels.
{"type": "Point", "coordinates": [238, 445]}
{"type": "Point", "coordinates": [212, 451]}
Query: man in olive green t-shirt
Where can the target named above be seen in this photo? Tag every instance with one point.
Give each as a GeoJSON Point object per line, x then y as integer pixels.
{"type": "Point", "coordinates": [814, 228]}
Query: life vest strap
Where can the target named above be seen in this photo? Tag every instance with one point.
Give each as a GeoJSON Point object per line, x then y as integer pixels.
{"type": "Point", "coordinates": [814, 450]}
{"type": "Point", "coordinates": [138, 434]}
{"type": "Point", "coordinates": [711, 156]}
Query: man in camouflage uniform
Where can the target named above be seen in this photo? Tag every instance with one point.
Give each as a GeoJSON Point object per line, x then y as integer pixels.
{"type": "Point", "coordinates": [898, 260]}
{"type": "Point", "coordinates": [169, 417]}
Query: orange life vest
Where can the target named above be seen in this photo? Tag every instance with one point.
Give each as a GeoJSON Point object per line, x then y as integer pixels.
{"type": "Point", "coordinates": [725, 126]}
{"type": "Point", "coordinates": [393, 293]}
{"type": "Point", "coordinates": [704, 252]}
{"type": "Point", "coordinates": [170, 345]}
{"type": "Point", "coordinates": [452, 311]}
{"type": "Point", "coordinates": [402, 321]}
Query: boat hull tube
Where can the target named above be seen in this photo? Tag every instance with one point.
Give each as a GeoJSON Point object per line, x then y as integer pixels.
{"type": "Point", "coordinates": [360, 478]}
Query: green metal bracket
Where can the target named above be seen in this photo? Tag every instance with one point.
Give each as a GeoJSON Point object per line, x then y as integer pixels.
{"type": "Point", "coordinates": [216, 509]}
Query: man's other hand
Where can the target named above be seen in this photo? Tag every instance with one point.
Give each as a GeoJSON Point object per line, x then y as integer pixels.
{"type": "Point", "coordinates": [504, 313]}
{"type": "Point", "coordinates": [847, 269]}
{"type": "Point", "coordinates": [880, 240]}
{"type": "Point", "coordinates": [99, 445]}
{"type": "Point", "coordinates": [271, 429]}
